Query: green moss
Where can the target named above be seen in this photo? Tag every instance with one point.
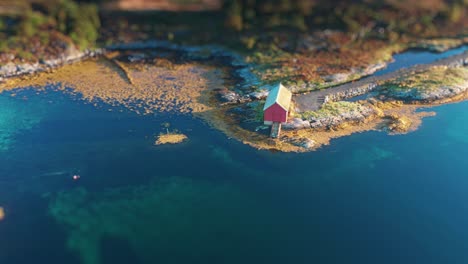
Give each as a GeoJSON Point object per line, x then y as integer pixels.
{"type": "Point", "coordinates": [24, 54]}
{"type": "Point", "coordinates": [429, 80]}
{"type": "Point", "coordinates": [3, 46]}
{"type": "Point", "coordinates": [259, 111]}
{"type": "Point", "coordinates": [2, 24]}
{"type": "Point", "coordinates": [332, 109]}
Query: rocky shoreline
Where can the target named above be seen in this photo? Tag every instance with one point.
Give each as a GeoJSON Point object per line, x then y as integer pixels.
{"type": "Point", "coordinates": [335, 118]}
{"type": "Point", "coordinates": [313, 100]}
{"type": "Point", "coordinates": [72, 55]}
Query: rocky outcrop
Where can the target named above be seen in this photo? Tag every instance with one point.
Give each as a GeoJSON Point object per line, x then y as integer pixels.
{"type": "Point", "coordinates": [296, 123]}
{"type": "Point", "coordinates": [259, 95]}
{"type": "Point", "coordinates": [71, 55]}
{"type": "Point", "coordinates": [440, 45]}
{"type": "Point", "coordinates": [335, 120]}
{"type": "Point", "coordinates": [399, 124]}
{"type": "Point", "coordinates": [415, 94]}
{"type": "Point", "coordinates": [337, 78]}
{"type": "Point", "coordinates": [226, 96]}
{"type": "Point", "coordinates": [311, 101]}
{"type": "Point", "coordinates": [305, 143]}
{"type": "Point", "coordinates": [350, 93]}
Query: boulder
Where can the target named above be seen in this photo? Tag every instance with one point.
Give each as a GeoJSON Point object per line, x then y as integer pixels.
{"type": "Point", "coordinates": [262, 94]}
{"type": "Point", "coordinates": [227, 96]}
{"type": "Point", "coordinates": [136, 57]}
{"type": "Point", "coordinates": [399, 124]}
{"type": "Point", "coordinates": [8, 69]}
{"type": "Point", "coordinates": [296, 123]}
{"type": "Point", "coordinates": [305, 143]}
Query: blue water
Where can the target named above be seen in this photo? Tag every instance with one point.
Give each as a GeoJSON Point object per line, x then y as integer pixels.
{"type": "Point", "coordinates": [414, 57]}
{"type": "Point", "coordinates": [366, 198]}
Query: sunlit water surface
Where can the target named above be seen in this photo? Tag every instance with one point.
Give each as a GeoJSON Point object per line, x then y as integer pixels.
{"type": "Point", "coordinates": [366, 198]}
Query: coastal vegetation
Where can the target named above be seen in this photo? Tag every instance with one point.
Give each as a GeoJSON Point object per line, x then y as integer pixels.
{"type": "Point", "coordinates": [307, 45]}
{"type": "Point", "coordinates": [162, 209]}
{"type": "Point", "coordinates": [333, 109]}
{"type": "Point", "coordinates": [303, 42]}
{"type": "Point", "coordinates": [233, 54]}
{"type": "Point", "coordinates": [435, 83]}
{"type": "Point", "coordinates": [35, 31]}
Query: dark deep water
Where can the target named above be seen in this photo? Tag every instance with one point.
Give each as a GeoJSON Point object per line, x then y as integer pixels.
{"type": "Point", "coordinates": [367, 198]}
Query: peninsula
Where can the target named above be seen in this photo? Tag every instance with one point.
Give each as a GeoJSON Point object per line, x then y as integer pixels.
{"type": "Point", "coordinates": [218, 61]}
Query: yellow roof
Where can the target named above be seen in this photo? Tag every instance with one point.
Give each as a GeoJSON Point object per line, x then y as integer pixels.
{"type": "Point", "coordinates": [280, 95]}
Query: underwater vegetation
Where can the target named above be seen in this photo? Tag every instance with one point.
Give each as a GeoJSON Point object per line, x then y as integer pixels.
{"type": "Point", "coordinates": [164, 218]}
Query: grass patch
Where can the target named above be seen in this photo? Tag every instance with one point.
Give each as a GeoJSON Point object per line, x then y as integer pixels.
{"type": "Point", "coordinates": [332, 109]}
{"type": "Point", "coordinates": [259, 111]}
{"type": "Point", "coordinates": [429, 80]}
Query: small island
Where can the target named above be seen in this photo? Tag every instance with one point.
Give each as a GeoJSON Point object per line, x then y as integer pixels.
{"type": "Point", "coordinates": [2, 213]}
{"type": "Point", "coordinates": [170, 138]}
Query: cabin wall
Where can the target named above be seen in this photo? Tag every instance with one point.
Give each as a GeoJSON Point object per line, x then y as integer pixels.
{"type": "Point", "coordinates": [275, 113]}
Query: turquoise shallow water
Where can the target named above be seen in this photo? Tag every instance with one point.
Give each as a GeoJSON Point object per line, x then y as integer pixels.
{"type": "Point", "coordinates": [366, 198]}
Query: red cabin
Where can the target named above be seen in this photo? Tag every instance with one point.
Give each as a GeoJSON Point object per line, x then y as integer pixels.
{"type": "Point", "coordinates": [276, 109]}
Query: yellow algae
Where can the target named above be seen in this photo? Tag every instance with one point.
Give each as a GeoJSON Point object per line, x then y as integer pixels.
{"type": "Point", "coordinates": [2, 213]}
{"type": "Point", "coordinates": [170, 138]}
{"type": "Point", "coordinates": [188, 88]}
{"type": "Point", "coordinates": [145, 87]}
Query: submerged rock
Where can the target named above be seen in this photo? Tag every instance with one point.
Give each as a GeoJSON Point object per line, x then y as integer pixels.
{"type": "Point", "coordinates": [399, 124]}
